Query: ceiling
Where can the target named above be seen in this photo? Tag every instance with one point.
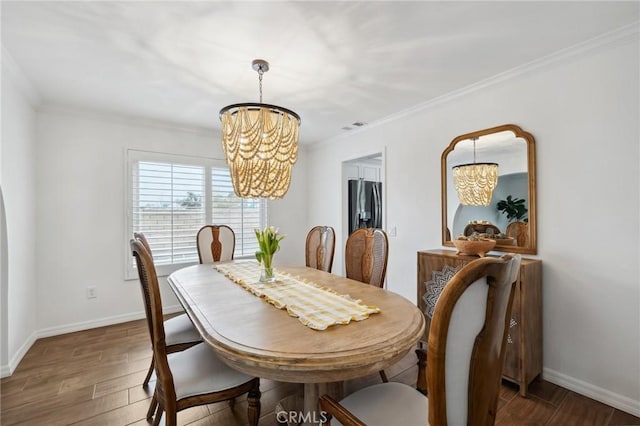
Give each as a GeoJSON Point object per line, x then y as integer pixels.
{"type": "Point", "coordinates": [334, 63]}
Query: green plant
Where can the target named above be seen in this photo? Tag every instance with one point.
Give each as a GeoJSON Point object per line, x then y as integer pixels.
{"type": "Point", "coordinates": [514, 208]}
{"type": "Point", "coordinates": [269, 242]}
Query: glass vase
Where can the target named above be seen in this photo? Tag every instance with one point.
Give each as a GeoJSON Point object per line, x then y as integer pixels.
{"type": "Point", "coordinates": [267, 275]}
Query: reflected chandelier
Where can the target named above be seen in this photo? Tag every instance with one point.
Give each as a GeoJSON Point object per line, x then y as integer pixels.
{"type": "Point", "coordinates": [260, 142]}
{"type": "Point", "coordinates": [475, 182]}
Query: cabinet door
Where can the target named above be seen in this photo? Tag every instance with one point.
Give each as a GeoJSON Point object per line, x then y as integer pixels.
{"type": "Point", "coordinates": [351, 171]}
{"type": "Point", "coordinates": [371, 173]}
{"type": "Point", "coordinates": [430, 270]}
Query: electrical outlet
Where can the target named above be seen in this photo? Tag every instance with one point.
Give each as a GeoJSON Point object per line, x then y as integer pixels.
{"type": "Point", "coordinates": [91, 293]}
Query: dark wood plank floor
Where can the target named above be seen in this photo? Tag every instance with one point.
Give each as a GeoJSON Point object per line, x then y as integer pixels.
{"type": "Point", "coordinates": [94, 377]}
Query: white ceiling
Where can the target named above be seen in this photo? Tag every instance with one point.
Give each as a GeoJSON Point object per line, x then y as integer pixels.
{"type": "Point", "coordinates": [334, 63]}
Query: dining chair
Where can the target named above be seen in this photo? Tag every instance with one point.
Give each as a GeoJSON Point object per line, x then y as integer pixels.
{"type": "Point", "coordinates": [366, 254]}
{"type": "Point", "coordinates": [467, 343]}
{"type": "Point", "coordinates": [194, 376]}
{"type": "Point", "coordinates": [145, 242]}
{"type": "Point", "coordinates": [180, 334]}
{"type": "Point", "coordinates": [215, 243]}
{"type": "Point", "coordinates": [320, 247]}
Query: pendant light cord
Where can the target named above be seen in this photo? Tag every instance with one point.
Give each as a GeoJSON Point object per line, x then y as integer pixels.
{"type": "Point", "coordinates": [474, 139]}
{"type": "Point", "coordinates": [260, 72]}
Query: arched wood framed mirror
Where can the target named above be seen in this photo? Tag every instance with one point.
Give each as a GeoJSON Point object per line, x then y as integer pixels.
{"type": "Point", "coordinates": [513, 150]}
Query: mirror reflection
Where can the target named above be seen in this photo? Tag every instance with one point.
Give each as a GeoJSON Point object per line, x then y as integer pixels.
{"type": "Point", "coordinates": [509, 218]}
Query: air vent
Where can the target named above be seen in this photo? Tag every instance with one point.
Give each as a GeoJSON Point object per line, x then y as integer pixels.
{"type": "Point", "coordinates": [354, 125]}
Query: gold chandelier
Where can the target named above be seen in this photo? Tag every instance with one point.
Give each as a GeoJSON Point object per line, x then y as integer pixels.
{"type": "Point", "coordinates": [475, 182]}
{"type": "Point", "coordinates": [260, 142]}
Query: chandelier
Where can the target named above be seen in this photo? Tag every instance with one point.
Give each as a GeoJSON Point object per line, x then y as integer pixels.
{"type": "Point", "coordinates": [475, 182]}
{"type": "Point", "coordinates": [260, 142]}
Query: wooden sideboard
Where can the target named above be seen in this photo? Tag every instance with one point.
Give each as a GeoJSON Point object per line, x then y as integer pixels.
{"type": "Point", "coordinates": [523, 359]}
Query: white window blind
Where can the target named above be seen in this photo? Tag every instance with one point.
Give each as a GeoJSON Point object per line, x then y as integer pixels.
{"type": "Point", "coordinates": [241, 214]}
{"type": "Point", "coordinates": [172, 197]}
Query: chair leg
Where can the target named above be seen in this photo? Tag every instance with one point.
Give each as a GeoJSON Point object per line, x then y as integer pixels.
{"type": "Point", "coordinates": [253, 399]}
{"type": "Point", "coordinates": [145, 383]}
{"type": "Point", "coordinates": [152, 406]}
{"type": "Point", "coordinates": [156, 420]}
{"type": "Point", "coordinates": [383, 376]}
{"type": "Point", "coordinates": [421, 384]}
{"type": "Point", "coordinates": [170, 417]}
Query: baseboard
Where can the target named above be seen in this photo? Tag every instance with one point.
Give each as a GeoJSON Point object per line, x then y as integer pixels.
{"type": "Point", "coordinates": [86, 325]}
{"type": "Point", "coordinates": [7, 370]}
{"type": "Point", "coordinates": [613, 399]}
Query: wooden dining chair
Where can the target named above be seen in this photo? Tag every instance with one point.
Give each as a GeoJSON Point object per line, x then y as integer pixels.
{"type": "Point", "coordinates": [320, 247]}
{"type": "Point", "coordinates": [366, 254]}
{"type": "Point", "coordinates": [216, 243]}
{"type": "Point", "coordinates": [467, 343]}
{"type": "Point", "coordinates": [194, 376]}
{"type": "Point", "coordinates": [180, 333]}
{"type": "Point", "coordinates": [145, 242]}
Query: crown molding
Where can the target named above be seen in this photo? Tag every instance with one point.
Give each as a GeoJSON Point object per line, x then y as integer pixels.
{"type": "Point", "coordinates": [25, 86]}
{"type": "Point", "coordinates": [623, 35]}
{"type": "Point", "coordinates": [114, 117]}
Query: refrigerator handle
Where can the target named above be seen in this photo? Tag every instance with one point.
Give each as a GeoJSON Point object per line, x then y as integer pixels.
{"type": "Point", "coordinates": [374, 206]}
{"type": "Point", "coordinates": [380, 205]}
{"type": "Point", "coordinates": [358, 209]}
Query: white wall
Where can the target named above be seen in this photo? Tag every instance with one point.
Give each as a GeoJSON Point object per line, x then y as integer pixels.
{"type": "Point", "coordinates": [81, 214]}
{"type": "Point", "coordinates": [290, 215]}
{"type": "Point", "coordinates": [18, 183]}
{"type": "Point", "coordinates": [582, 108]}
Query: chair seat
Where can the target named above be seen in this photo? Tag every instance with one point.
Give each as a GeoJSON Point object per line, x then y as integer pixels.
{"type": "Point", "coordinates": [198, 370]}
{"type": "Point", "coordinates": [179, 329]}
{"type": "Point", "coordinates": [387, 404]}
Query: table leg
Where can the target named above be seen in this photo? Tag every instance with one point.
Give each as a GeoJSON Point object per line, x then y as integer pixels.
{"type": "Point", "coordinates": [311, 395]}
{"type": "Point", "coordinates": [312, 391]}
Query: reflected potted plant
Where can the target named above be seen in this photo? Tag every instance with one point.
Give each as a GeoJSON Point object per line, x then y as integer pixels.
{"type": "Point", "coordinates": [514, 208]}
{"type": "Point", "coordinates": [516, 212]}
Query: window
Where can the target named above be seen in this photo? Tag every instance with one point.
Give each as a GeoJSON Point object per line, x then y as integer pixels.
{"type": "Point", "coordinates": [171, 197]}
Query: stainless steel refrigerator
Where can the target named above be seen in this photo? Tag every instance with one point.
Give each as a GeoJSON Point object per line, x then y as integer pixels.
{"type": "Point", "coordinates": [365, 204]}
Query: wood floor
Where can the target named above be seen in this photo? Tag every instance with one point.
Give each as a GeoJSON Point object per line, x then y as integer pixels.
{"type": "Point", "coordinates": [94, 377]}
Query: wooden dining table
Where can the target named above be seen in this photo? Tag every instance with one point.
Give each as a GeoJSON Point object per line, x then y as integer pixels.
{"type": "Point", "coordinates": [256, 338]}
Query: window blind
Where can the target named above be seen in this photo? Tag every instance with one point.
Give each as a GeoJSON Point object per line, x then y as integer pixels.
{"type": "Point", "coordinates": [172, 197]}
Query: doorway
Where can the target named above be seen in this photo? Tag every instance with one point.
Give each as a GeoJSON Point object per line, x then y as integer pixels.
{"type": "Point", "coordinates": [363, 194]}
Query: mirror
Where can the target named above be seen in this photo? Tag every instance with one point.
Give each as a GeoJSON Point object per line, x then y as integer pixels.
{"type": "Point", "coordinates": [514, 151]}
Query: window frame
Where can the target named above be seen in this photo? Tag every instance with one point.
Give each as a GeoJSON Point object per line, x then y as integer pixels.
{"type": "Point", "coordinates": [132, 156]}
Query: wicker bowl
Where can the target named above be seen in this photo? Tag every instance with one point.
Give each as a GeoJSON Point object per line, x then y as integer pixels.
{"type": "Point", "coordinates": [474, 247]}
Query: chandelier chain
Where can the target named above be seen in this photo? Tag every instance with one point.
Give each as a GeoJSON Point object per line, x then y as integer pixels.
{"type": "Point", "coordinates": [260, 72]}
{"type": "Point", "coordinates": [474, 139]}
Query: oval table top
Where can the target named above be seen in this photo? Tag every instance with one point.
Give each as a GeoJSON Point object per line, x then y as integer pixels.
{"type": "Point", "coordinates": [256, 338]}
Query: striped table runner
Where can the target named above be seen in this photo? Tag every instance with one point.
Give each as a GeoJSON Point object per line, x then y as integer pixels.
{"type": "Point", "coordinates": [315, 306]}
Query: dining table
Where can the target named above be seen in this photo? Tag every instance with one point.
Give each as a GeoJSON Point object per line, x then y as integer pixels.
{"type": "Point", "coordinates": [255, 337]}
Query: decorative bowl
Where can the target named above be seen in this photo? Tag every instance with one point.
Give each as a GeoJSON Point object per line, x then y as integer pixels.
{"type": "Point", "coordinates": [471, 247]}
